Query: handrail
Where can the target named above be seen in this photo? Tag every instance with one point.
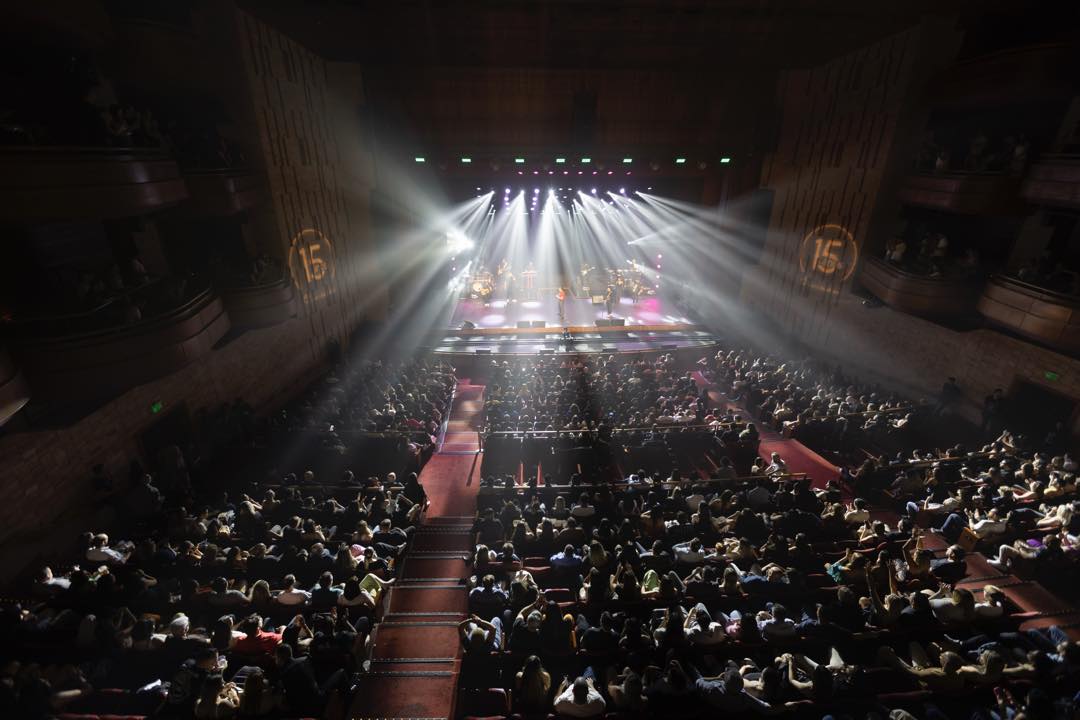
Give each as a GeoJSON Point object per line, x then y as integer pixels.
{"type": "Point", "coordinates": [1072, 300]}
{"type": "Point", "coordinates": [635, 429]}
{"type": "Point", "coordinates": [202, 298]}
{"type": "Point", "coordinates": [1004, 52]}
{"type": "Point", "coordinates": [959, 174]}
{"type": "Point", "coordinates": [154, 153]}
{"type": "Point", "coordinates": [896, 269]}
{"type": "Point", "coordinates": [684, 482]}
{"type": "Point", "coordinates": [285, 280]}
{"type": "Point", "coordinates": [239, 170]}
{"type": "Point", "coordinates": [361, 433]}
{"type": "Point", "coordinates": [15, 322]}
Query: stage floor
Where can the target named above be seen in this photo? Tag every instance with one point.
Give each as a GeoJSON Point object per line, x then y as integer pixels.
{"type": "Point", "coordinates": [650, 325]}
{"type": "Point", "coordinates": [579, 312]}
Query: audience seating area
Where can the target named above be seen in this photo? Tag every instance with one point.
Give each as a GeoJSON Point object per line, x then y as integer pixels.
{"type": "Point", "coordinates": [913, 583]}
{"type": "Point", "coordinates": [667, 569]}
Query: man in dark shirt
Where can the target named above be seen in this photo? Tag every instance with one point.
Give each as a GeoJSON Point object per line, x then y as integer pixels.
{"type": "Point", "coordinates": [303, 693]}
{"type": "Point", "coordinates": [599, 640]}
{"type": "Point", "coordinates": [324, 595]}
{"type": "Point", "coordinates": [487, 599]}
{"type": "Point", "coordinates": [386, 534]}
{"type": "Point", "coordinates": [950, 569]}
{"type": "Point", "coordinates": [489, 529]}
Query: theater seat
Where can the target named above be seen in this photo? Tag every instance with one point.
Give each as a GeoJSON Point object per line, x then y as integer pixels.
{"type": "Point", "coordinates": [484, 703]}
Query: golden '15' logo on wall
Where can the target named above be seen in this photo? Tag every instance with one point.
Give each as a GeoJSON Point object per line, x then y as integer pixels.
{"type": "Point", "coordinates": [311, 261]}
{"type": "Point", "coordinates": [829, 250]}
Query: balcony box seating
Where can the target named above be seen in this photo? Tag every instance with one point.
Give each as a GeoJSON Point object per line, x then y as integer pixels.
{"type": "Point", "coordinates": [917, 294]}
{"type": "Point", "coordinates": [81, 183]}
{"type": "Point", "coordinates": [92, 365]}
{"type": "Point", "coordinates": [261, 305]}
{"type": "Point", "coordinates": [1050, 318]}
{"type": "Point", "coordinates": [1054, 180]}
{"type": "Point", "coordinates": [966, 193]}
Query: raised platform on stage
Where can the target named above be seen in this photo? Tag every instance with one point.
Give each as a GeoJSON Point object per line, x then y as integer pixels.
{"type": "Point", "coordinates": [580, 312]}
{"type": "Point", "coordinates": [648, 326]}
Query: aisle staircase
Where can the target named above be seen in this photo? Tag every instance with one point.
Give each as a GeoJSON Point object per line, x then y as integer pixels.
{"type": "Point", "coordinates": [416, 653]}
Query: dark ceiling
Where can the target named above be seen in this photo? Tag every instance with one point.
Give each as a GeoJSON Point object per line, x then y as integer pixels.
{"type": "Point", "coordinates": [721, 34]}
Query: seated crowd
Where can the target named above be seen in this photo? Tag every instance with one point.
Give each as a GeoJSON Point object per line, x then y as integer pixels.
{"type": "Point", "coordinates": [248, 600]}
{"type": "Point", "coordinates": [881, 592]}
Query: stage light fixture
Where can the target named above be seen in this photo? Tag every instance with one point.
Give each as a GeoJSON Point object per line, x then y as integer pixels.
{"type": "Point", "coordinates": [586, 160]}
{"type": "Point", "coordinates": [627, 161]}
{"type": "Point", "coordinates": [680, 161]}
{"type": "Point", "coordinates": [519, 161]}
{"type": "Point", "coordinates": [622, 191]}
{"type": "Point", "coordinates": [420, 159]}
{"type": "Point", "coordinates": [725, 160]}
{"type": "Point", "coordinates": [560, 160]}
{"type": "Point", "coordinates": [594, 191]}
{"type": "Point", "coordinates": [466, 160]}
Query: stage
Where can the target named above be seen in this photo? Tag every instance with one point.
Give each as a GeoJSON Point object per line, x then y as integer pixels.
{"type": "Point", "coordinates": [580, 312]}
{"type": "Point", "coordinates": [650, 326]}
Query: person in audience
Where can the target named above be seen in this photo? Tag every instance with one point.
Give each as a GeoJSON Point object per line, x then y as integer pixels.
{"type": "Point", "coordinates": [579, 699]}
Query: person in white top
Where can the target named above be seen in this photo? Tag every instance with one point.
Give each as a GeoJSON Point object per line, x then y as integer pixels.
{"type": "Point", "coordinates": [100, 552]}
{"type": "Point", "coordinates": [857, 512]}
{"type": "Point", "coordinates": [777, 466]}
{"type": "Point", "coordinates": [690, 552]}
{"type": "Point", "coordinates": [989, 526]}
{"type": "Point", "coordinates": [292, 595]}
{"type": "Point", "coordinates": [579, 700]}
{"type": "Point", "coordinates": [700, 628]}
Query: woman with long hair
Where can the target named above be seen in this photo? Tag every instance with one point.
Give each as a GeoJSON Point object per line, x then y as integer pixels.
{"type": "Point", "coordinates": [532, 687]}
{"type": "Point", "coordinates": [258, 699]}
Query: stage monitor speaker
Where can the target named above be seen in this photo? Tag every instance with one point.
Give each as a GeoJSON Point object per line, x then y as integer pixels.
{"type": "Point", "coordinates": [669, 347]}
{"type": "Point", "coordinates": [597, 299]}
{"type": "Point", "coordinates": [523, 324]}
{"type": "Point", "coordinates": [468, 325]}
{"type": "Point", "coordinates": [603, 322]}
{"type": "Point", "coordinates": [483, 351]}
{"type": "Point", "coordinates": [547, 351]}
{"type": "Point", "coordinates": [539, 323]}
{"type": "Point", "coordinates": [617, 322]}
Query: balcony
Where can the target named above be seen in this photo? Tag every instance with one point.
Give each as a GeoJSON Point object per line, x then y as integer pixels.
{"type": "Point", "coordinates": [79, 183]}
{"type": "Point", "coordinates": [223, 192]}
{"type": "Point", "coordinates": [77, 367]}
{"type": "Point", "coordinates": [1020, 74]}
{"type": "Point", "coordinates": [1054, 180]}
{"type": "Point", "coordinates": [917, 294]}
{"type": "Point", "coordinates": [965, 193]}
{"type": "Point", "coordinates": [1047, 317]}
{"type": "Point", "coordinates": [260, 305]}
{"type": "Point", "coordinates": [14, 392]}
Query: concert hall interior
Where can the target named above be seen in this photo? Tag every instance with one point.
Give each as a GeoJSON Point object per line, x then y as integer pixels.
{"type": "Point", "coordinates": [539, 359]}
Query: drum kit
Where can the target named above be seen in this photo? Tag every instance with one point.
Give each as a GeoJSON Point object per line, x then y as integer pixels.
{"type": "Point", "coordinates": [481, 286]}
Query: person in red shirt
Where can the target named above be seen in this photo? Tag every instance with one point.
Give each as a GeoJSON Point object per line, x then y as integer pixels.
{"type": "Point", "coordinates": [257, 640]}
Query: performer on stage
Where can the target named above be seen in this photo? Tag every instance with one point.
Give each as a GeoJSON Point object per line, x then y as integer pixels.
{"type": "Point", "coordinates": [609, 299]}
{"type": "Point", "coordinates": [561, 296]}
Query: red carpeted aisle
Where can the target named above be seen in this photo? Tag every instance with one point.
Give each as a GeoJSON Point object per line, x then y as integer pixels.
{"type": "Point", "coordinates": [415, 657]}
{"type": "Point", "coordinates": [799, 458]}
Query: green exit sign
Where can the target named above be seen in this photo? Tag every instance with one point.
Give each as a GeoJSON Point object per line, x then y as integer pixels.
{"type": "Point", "coordinates": [156, 407]}
{"type": "Point", "coordinates": [1052, 376]}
